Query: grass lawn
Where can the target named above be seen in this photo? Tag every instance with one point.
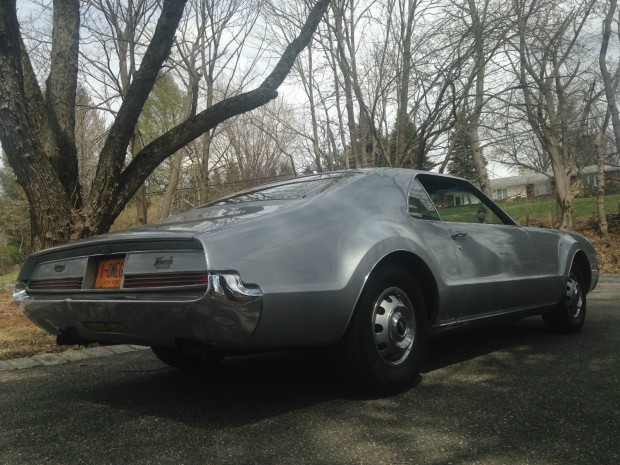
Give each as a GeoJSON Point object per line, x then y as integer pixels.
{"type": "Point", "coordinates": [583, 208]}
{"type": "Point", "coordinates": [8, 277]}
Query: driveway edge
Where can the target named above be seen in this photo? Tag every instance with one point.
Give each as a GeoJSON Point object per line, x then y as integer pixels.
{"type": "Point", "coordinates": [67, 357]}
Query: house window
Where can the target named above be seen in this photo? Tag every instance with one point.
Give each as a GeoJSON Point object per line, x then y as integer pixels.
{"type": "Point", "coordinates": [542, 189]}
{"type": "Point", "coordinates": [589, 179]}
{"type": "Point", "coordinates": [500, 194]}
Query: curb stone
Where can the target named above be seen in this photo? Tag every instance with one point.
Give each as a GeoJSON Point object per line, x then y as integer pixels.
{"type": "Point", "coordinates": [66, 357]}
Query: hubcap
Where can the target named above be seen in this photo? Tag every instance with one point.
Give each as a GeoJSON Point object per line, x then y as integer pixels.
{"type": "Point", "coordinates": [574, 297]}
{"type": "Point", "coordinates": [394, 326]}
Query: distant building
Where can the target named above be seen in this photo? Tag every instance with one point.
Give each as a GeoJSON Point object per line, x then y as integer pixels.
{"type": "Point", "coordinates": [527, 186]}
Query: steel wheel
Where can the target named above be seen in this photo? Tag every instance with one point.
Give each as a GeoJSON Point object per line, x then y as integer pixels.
{"type": "Point", "coordinates": [386, 340]}
{"type": "Point", "coordinates": [574, 296]}
{"type": "Point", "coordinates": [394, 326]}
{"type": "Point", "coordinates": [570, 313]}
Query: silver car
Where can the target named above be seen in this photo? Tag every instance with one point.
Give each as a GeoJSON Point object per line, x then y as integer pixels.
{"type": "Point", "coordinates": [368, 262]}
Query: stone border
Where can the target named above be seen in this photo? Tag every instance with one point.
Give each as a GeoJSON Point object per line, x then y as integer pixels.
{"type": "Point", "coordinates": [67, 356]}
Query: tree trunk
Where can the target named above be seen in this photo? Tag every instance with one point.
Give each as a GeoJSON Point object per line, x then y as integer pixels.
{"type": "Point", "coordinates": [308, 83]}
{"type": "Point", "coordinates": [205, 169]}
{"type": "Point", "coordinates": [60, 95]}
{"type": "Point", "coordinates": [189, 109]}
{"type": "Point", "coordinates": [481, 168]}
{"type": "Point", "coordinates": [474, 121]}
{"type": "Point", "coordinates": [51, 213]}
{"type": "Point", "coordinates": [140, 197]}
{"type": "Point", "coordinates": [348, 86]}
{"type": "Point", "coordinates": [564, 195]}
{"type": "Point", "coordinates": [402, 112]}
{"type": "Point", "coordinates": [600, 198]}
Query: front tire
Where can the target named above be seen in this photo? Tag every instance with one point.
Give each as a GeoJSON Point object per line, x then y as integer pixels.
{"type": "Point", "coordinates": [570, 313]}
{"type": "Point", "coordinates": [387, 337]}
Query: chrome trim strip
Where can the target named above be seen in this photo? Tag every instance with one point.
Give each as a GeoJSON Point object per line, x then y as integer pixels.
{"type": "Point", "coordinates": [485, 316]}
{"type": "Point", "coordinates": [228, 286]}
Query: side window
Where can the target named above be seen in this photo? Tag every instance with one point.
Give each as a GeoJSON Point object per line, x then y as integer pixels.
{"type": "Point", "coordinates": [457, 202]}
{"type": "Point", "coordinates": [420, 206]}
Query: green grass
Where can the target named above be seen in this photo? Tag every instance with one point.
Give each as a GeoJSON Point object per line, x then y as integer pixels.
{"type": "Point", "coordinates": [8, 277]}
{"type": "Point", "coordinates": [583, 208]}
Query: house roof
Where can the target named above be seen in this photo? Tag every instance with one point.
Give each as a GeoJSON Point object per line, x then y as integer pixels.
{"type": "Point", "coordinates": [540, 178]}
{"type": "Point", "coordinates": [522, 180]}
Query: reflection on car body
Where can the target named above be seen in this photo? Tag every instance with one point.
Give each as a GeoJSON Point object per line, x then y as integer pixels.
{"type": "Point", "coordinates": [368, 262]}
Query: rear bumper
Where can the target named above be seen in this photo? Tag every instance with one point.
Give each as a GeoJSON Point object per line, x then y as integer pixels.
{"type": "Point", "coordinates": [225, 315]}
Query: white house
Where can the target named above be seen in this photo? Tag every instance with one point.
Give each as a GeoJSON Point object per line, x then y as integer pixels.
{"type": "Point", "coordinates": [532, 185]}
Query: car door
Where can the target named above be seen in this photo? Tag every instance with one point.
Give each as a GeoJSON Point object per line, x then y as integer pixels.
{"type": "Point", "coordinates": [496, 258]}
{"type": "Point", "coordinates": [439, 252]}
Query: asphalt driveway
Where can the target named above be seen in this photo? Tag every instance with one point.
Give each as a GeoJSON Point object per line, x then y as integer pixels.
{"type": "Point", "coordinates": [507, 395]}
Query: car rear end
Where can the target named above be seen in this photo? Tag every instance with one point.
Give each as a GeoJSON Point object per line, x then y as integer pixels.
{"type": "Point", "coordinates": [138, 289]}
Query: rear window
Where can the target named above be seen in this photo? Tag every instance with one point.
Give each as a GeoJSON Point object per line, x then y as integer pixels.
{"type": "Point", "coordinates": [294, 189]}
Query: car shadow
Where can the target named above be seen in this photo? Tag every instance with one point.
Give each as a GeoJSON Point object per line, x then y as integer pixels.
{"type": "Point", "coordinates": [451, 348]}
{"type": "Point", "coordinates": [239, 391]}
{"type": "Point", "coordinates": [247, 389]}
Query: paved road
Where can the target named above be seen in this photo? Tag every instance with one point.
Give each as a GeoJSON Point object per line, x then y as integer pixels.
{"type": "Point", "coordinates": [508, 395]}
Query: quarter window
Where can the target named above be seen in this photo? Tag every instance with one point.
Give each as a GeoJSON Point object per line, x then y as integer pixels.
{"type": "Point", "coordinates": [420, 206]}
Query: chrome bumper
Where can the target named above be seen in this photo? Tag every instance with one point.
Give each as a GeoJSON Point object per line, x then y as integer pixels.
{"type": "Point", "coordinates": [226, 315]}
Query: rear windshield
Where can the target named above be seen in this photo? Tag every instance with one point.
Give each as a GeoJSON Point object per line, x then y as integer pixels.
{"type": "Point", "coordinates": [294, 189]}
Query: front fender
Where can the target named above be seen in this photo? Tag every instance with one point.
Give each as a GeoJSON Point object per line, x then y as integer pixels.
{"type": "Point", "coordinates": [577, 249]}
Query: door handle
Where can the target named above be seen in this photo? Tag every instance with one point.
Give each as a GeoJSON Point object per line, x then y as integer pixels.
{"type": "Point", "coordinates": [458, 235]}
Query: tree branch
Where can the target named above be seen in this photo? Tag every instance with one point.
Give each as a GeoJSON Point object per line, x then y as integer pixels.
{"type": "Point", "coordinates": [113, 153]}
{"type": "Point", "coordinates": [60, 92]}
{"type": "Point", "coordinates": [164, 146]}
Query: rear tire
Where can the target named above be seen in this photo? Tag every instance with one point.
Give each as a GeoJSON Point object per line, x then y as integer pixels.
{"type": "Point", "coordinates": [570, 313]}
{"type": "Point", "coordinates": [387, 337]}
{"type": "Point", "coordinates": [183, 359]}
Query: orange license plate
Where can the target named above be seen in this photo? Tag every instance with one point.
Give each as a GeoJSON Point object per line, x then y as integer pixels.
{"type": "Point", "coordinates": [110, 273]}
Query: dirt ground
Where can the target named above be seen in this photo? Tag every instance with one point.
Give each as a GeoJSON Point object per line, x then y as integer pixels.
{"type": "Point", "coordinates": [607, 247]}
{"type": "Point", "coordinates": [20, 338]}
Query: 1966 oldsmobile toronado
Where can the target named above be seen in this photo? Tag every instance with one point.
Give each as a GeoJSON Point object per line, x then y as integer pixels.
{"type": "Point", "coordinates": [368, 262]}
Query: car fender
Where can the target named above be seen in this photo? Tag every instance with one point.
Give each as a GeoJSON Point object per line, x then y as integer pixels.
{"type": "Point", "coordinates": [576, 248]}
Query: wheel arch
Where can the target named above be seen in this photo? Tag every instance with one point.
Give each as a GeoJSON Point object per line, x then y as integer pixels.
{"type": "Point", "coordinates": [581, 260]}
{"type": "Point", "coordinates": [418, 268]}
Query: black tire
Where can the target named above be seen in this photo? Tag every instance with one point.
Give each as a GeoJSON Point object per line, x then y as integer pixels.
{"type": "Point", "coordinates": [570, 313]}
{"type": "Point", "coordinates": [387, 336]}
{"type": "Point", "coordinates": [187, 360]}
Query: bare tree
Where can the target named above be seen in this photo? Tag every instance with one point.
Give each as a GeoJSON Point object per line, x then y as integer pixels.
{"type": "Point", "coordinates": [548, 69]}
{"type": "Point", "coordinates": [90, 131]}
{"type": "Point", "coordinates": [487, 35]}
{"type": "Point", "coordinates": [601, 184]}
{"type": "Point", "coordinates": [199, 50]}
{"type": "Point", "coordinates": [39, 138]}
{"type": "Point", "coordinates": [610, 81]}
{"type": "Point", "coordinates": [407, 14]}
{"type": "Point", "coordinates": [282, 18]}
{"type": "Point", "coordinates": [261, 144]}
{"type": "Point", "coordinates": [120, 27]}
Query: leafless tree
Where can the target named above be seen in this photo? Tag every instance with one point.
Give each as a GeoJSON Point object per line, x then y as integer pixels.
{"type": "Point", "coordinates": [486, 26]}
{"type": "Point", "coordinates": [38, 134]}
{"type": "Point", "coordinates": [610, 81]}
{"type": "Point", "coordinates": [549, 69]}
